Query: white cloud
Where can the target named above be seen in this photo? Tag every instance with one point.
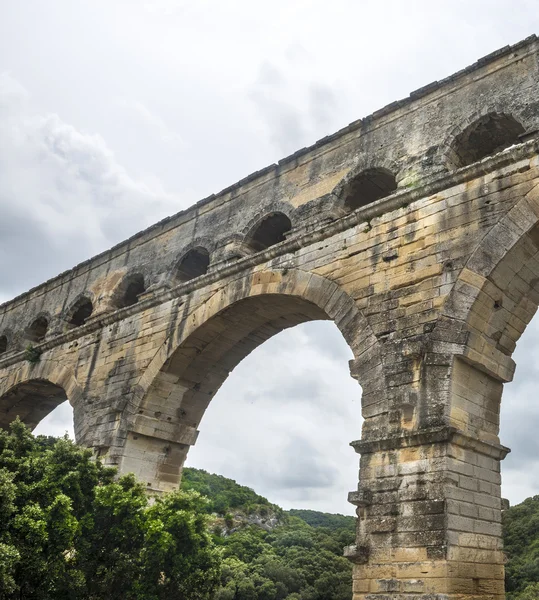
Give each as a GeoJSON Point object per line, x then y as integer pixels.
{"type": "Point", "coordinates": [153, 121]}
{"type": "Point", "coordinates": [62, 190]}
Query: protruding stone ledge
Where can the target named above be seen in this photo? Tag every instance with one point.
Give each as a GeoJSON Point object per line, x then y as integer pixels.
{"type": "Point", "coordinates": [359, 555]}
{"type": "Point", "coordinates": [177, 433]}
{"type": "Point", "coordinates": [360, 497]}
{"type": "Point", "coordinates": [435, 435]}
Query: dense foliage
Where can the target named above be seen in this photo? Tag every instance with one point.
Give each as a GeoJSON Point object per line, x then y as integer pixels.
{"type": "Point", "coordinates": [69, 531]}
{"type": "Point", "coordinates": [322, 519]}
{"type": "Point", "coordinates": [225, 495]}
{"type": "Point", "coordinates": [291, 561]}
{"type": "Point", "coordinates": [521, 543]}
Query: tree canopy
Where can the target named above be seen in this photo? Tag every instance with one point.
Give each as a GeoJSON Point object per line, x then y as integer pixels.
{"type": "Point", "coordinates": [521, 545]}
{"type": "Point", "coordinates": [69, 530]}
{"type": "Point", "coordinates": [290, 560]}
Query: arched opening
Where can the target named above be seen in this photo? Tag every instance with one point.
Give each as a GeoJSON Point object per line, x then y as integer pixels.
{"type": "Point", "coordinates": [178, 394]}
{"type": "Point", "coordinates": [367, 187]}
{"type": "Point", "coordinates": [486, 136]}
{"type": "Point", "coordinates": [58, 422]}
{"type": "Point", "coordinates": [193, 264]}
{"type": "Point", "coordinates": [3, 344]}
{"type": "Point", "coordinates": [508, 327]}
{"type": "Point", "coordinates": [31, 401]}
{"type": "Point", "coordinates": [519, 421]}
{"type": "Point", "coordinates": [499, 309]}
{"type": "Point", "coordinates": [283, 419]}
{"type": "Point", "coordinates": [37, 331]}
{"type": "Point", "coordinates": [82, 309]}
{"type": "Point", "coordinates": [129, 291]}
{"type": "Point", "coordinates": [270, 230]}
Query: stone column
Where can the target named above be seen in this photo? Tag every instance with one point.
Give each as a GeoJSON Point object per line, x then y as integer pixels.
{"type": "Point", "coordinates": [429, 518]}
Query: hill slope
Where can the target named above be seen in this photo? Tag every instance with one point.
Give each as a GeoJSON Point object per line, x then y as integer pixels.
{"type": "Point", "coordinates": [521, 543]}
{"type": "Point", "coordinates": [272, 554]}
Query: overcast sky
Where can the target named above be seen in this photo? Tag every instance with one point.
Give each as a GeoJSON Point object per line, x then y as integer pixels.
{"type": "Point", "coordinates": [116, 113]}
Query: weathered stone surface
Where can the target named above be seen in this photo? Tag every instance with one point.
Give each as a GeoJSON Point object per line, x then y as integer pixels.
{"type": "Point", "coordinates": [416, 230]}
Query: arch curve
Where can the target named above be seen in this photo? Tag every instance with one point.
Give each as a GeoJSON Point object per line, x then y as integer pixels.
{"type": "Point", "coordinates": [334, 302]}
{"type": "Point", "coordinates": [33, 391]}
{"type": "Point", "coordinates": [190, 366]}
{"type": "Point", "coordinates": [506, 255]}
{"type": "Point", "coordinates": [492, 301]}
{"type": "Point", "coordinates": [481, 135]}
{"type": "Point", "coordinates": [81, 310]}
{"type": "Point", "coordinates": [37, 330]}
{"type": "Point", "coordinates": [5, 341]}
{"type": "Point", "coordinates": [130, 288]}
{"type": "Point", "coordinates": [268, 230]}
{"type": "Point", "coordinates": [364, 184]}
{"type": "Point", "coordinates": [192, 263]}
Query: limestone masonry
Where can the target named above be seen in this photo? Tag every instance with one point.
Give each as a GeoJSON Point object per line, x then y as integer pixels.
{"type": "Point", "coordinates": [416, 230]}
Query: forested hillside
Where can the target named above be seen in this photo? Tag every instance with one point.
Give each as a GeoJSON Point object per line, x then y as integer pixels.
{"type": "Point", "coordinates": [297, 554]}
{"type": "Point", "coordinates": [270, 554]}
{"type": "Point", "coordinates": [321, 519]}
{"type": "Point", "coordinates": [70, 530]}
{"type": "Point", "coordinates": [521, 542]}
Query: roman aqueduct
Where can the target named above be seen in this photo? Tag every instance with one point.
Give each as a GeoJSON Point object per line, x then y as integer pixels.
{"type": "Point", "coordinates": [416, 230]}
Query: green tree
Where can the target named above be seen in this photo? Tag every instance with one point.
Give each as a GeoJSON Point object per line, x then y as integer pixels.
{"type": "Point", "coordinates": [69, 531]}
{"type": "Point", "coordinates": [530, 592]}
{"type": "Point", "coordinates": [521, 544]}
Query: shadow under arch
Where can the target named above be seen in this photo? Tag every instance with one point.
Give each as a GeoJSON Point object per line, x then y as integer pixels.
{"type": "Point", "coordinates": [36, 390]}
{"type": "Point", "coordinates": [364, 184]}
{"type": "Point", "coordinates": [189, 368]}
{"type": "Point", "coordinates": [480, 136]}
{"type": "Point", "coordinates": [493, 300]}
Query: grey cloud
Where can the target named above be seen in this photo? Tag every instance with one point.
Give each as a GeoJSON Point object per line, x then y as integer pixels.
{"type": "Point", "coordinates": [283, 121]}
{"type": "Point", "coordinates": [153, 122]}
{"type": "Point", "coordinates": [23, 243]}
{"type": "Point", "coordinates": [295, 109]}
{"type": "Point", "coordinates": [63, 194]}
{"type": "Point", "coordinates": [322, 105]}
{"type": "Point", "coordinates": [332, 346]}
{"type": "Point", "coordinates": [301, 465]}
{"type": "Point", "coordinates": [270, 75]}
{"type": "Point", "coordinates": [13, 96]}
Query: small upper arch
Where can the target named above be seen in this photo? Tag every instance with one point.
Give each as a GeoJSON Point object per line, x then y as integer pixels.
{"type": "Point", "coordinates": [268, 231]}
{"type": "Point", "coordinates": [80, 311]}
{"type": "Point", "coordinates": [366, 187]}
{"type": "Point", "coordinates": [483, 136]}
{"type": "Point", "coordinates": [364, 184]}
{"type": "Point", "coordinates": [129, 290]}
{"type": "Point", "coordinates": [194, 262]}
{"type": "Point", "coordinates": [37, 330]}
{"type": "Point", "coordinates": [4, 343]}
{"type": "Point", "coordinates": [34, 390]}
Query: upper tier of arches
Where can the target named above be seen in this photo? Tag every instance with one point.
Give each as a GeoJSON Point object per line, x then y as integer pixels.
{"type": "Point", "coordinates": [479, 137]}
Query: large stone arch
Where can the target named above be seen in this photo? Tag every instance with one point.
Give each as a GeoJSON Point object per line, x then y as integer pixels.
{"type": "Point", "coordinates": [492, 302]}
{"type": "Point", "coordinates": [34, 390]}
{"type": "Point", "coordinates": [190, 366]}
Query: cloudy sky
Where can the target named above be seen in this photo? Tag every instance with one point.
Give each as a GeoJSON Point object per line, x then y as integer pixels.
{"type": "Point", "coordinates": [116, 113]}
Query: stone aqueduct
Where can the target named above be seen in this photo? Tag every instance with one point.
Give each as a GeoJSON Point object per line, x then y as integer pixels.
{"type": "Point", "coordinates": [416, 230]}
